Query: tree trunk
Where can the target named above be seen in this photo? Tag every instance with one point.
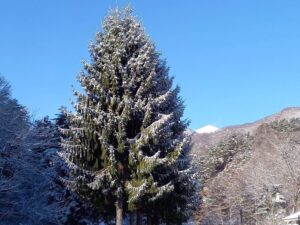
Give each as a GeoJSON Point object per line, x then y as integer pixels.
{"type": "Point", "coordinates": [155, 220]}
{"type": "Point", "coordinates": [139, 217]}
{"type": "Point", "coordinates": [131, 218]}
{"type": "Point", "coordinates": [149, 219]}
{"type": "Point", "coordinates": [119, 212]}
{"type": "Point", "coordinates": [241, 216]}
{"type": "Point", "coordinates": [296, 200]}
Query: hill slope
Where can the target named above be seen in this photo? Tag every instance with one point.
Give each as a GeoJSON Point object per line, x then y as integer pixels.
{"type": "Point", "coordinates": [250, 173]}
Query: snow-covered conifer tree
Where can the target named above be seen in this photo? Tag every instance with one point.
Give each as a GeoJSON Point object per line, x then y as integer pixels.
{"type": "Point", "coordinates": [125, 141]}
{"type": "Point", "coordinates": [14, 122]}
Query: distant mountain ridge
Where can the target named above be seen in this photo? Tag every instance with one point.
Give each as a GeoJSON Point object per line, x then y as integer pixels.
{"type": "Point", "coordinates": [202, 141]}
{"type": "Point", "coordinates": [287, 113]}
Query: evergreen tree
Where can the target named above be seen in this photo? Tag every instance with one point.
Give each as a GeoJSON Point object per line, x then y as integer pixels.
{"type": "Point", "coordinates": [14, 121]}
{"type": "Point", "coordinates": [61, 120]}
{"type": "Point", "coordinates": [179, 205]}
{"type": "Point", "coordinates": [45, 135]}
{"type": "Point", "coordinates": [126, 139]}
{"type": "Point", "coordinates": [30, 188]}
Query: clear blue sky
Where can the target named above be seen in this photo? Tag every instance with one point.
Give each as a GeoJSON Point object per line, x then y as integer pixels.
{"type": "Point", "coordinates": [236, 61]}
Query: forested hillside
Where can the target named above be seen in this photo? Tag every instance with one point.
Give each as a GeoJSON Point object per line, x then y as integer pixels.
{"type": "Point", "coordinates": [251, 177]}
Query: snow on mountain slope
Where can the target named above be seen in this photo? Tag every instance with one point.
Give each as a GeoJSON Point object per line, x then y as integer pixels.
{"type": "Point", "coordinates": [207, 129]}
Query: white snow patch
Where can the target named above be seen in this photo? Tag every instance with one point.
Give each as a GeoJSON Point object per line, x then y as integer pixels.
{"type": "Point", "coordinates": [292, 218]}
{"type": "Point", "coordinates": [207, 129]}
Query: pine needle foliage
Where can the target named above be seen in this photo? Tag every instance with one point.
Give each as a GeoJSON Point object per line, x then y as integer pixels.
{"type": "Point", "coordinates": [125, 140]}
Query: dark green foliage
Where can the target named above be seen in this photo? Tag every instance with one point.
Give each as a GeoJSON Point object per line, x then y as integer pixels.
{"type": "Point", "coordinates": [125, 141]}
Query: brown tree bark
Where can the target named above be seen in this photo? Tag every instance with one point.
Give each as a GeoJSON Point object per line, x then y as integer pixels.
{"type": "Point", "coordinates": [155, 220]}
{"type": "Point", "coordinates": [131, 218]}
{"type": "Point", "coordinates": [119, 212]}
{"type": "Point", "coordinates": [139, 217]}
{"type": "Point", "coordinates": [149, 219]}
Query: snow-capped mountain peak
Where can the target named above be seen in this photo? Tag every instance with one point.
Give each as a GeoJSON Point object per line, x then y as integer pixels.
{"type": "Point", "coordinates": [207, 129]}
